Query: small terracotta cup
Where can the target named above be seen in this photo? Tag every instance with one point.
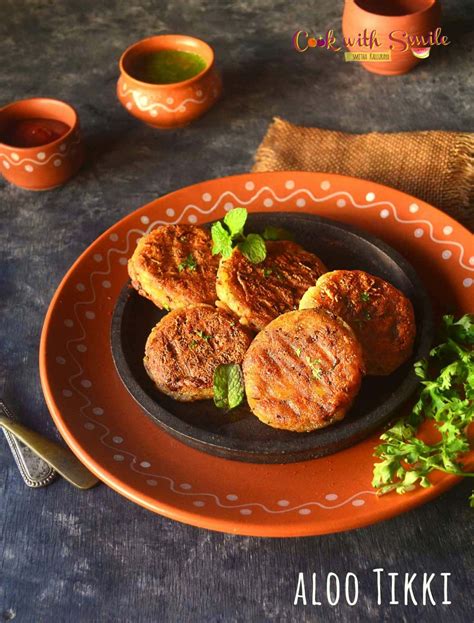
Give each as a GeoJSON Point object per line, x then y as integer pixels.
{"type": "Point", "coordinates": [173, 105]}
{"type": "Point", "coordinates": [414, 17]}
{"type": "Point", "coordinates": [45, 166]}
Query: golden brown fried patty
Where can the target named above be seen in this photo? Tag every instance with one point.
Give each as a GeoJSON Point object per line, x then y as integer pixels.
{"type": "Point", "coordinates": [186, 346]}
{"type": "Point", "coordinates": [380, 315]}
{"type": "Point", "coordinates": [173, 266]}
{"type": "Point", "coordinates": [303, 371]}
{"type": "Point", "coordinates": [258, 293]}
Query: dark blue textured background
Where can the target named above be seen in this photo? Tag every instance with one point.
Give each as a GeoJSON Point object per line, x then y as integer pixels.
{"type": "Point", "coordinates": [93, 556]}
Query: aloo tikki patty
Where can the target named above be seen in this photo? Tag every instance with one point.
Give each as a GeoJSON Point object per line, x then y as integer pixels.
{"type": "Point", "coordinates": [258, 293]}
{"type": "Point", "coordinates": [186, 346]}
{"type": "Point", "coordinates": [380, 315]}
{"type": "Point", "coordinates": [173, 266]}
{"type": "Point", "coordinates": [303, 371]}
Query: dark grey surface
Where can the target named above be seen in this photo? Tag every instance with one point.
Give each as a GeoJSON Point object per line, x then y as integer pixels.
{"type": "Point", "coordinates": [93, 556]}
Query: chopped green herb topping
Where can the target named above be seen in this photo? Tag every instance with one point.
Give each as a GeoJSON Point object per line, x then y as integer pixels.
{"type": "Point", "coordinates": [365, 296]}
{"type": "Point", "coordinates": [203, 336]}
{"type": "Point", "coordinates": [315, 365]}
{"type": "Point", "coordinates": [189, 263]}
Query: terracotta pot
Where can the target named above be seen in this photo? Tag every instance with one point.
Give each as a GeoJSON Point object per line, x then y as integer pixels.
{"type": "Point", "coordinates": [413, 17]}
{"type": "Point", "coordinates": [168, 105]}
{"type": "Point", "coordinates": [44, 166]}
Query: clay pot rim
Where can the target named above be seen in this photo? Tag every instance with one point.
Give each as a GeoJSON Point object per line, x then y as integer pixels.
{"type": "Point", "coordinates": [404, 16]}
{"type": "Point", "coordinates": [37, 100]}
{"type": "Point", "coordinates": [172, 46]}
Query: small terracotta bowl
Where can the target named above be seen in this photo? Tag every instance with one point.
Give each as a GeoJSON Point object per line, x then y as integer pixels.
{"type": "Point", "coordinates": [413, 17]}
{"type": "Point", "coordinates": [45, 166]}
{"type": "Point", "coordinates": [173, 105]}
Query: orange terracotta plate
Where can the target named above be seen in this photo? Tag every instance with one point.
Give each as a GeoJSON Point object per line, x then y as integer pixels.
{"type": "Point", "coordinates": [109, 432]}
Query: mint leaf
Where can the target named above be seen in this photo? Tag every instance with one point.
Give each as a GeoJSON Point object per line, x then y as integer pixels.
{"type": "Point", "coordinates": [222, 241]}
{"type": "Point", "coordinates": [276, 233]}
{"type": "Point", "coordinates": [254, 249]}
{"type": "Point", "coordinates": [235, 221]}
{"type": "Point", "coordinates": [228, 386]}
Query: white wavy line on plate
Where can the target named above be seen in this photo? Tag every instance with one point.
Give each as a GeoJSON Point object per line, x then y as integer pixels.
{"type": "Point", "coordinates": [134, 458]}
{"type": "Point", "coordinates": [342, 193]}
{"type": "Point", "coordinates": [41, 162]}
{"type": "Point", "coordinates": [146, 107]}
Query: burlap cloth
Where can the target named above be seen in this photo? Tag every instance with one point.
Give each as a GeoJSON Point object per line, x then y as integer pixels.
{"type": "Point", "coordinates": [437, 167]}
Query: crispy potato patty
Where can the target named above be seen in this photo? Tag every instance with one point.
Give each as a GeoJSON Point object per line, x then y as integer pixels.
{"type": "Point", "coordinates": [258, 293]}
{"type": "Point", "coordinates": [303, 371]}
{"type": "Point", "coordinates": [185, 347]}
{"type": "Point", "coordinates": [173, 266]}
{"type": "Point", "coordinates": [381, 316]}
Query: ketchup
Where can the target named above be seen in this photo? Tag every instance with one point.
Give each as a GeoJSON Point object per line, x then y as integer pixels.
{"type": "Point", "coordinates": [33, 132]}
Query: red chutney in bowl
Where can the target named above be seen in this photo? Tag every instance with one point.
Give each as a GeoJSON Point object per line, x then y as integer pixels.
{"type": "Point", "coordinates": [33, 132]}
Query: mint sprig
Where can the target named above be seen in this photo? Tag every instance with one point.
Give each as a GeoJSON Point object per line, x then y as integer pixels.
{"type": "Point", "coordinates": [229, 233]}
{"type": "Point", "coordinates": [228, 386]}
{"type": "Point", "coordinates": [446, 398]}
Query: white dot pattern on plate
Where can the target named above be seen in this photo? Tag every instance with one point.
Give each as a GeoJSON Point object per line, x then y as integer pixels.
{"type": "Point", "coordinates": [129, 105]}
{"type": "Point", "coordinates": [245, 511]}
{"type": "Point", "coordinates": [57, 162]}
{"type": "Point", "coordinates": [418, 233]}
{"type": "Point", "coordinates": [228, 206]}
{"type": "Point", "coordinates": [145, 220]}
{"type": "Point", "coordinates": [28, 168]}
{"type": "Point", "coordinates": [117, 439]}
{"type": "Point", "coordinates": [90, 315]}
{"type": "Point", "coordinates": [123, 261]}
{"type": "Point", "coordinates": [15, 156]}
{"type": "Point", "coordinates": [301, 203]}
{"type": "Point", "coordinates": [81, 287]}
{"type": "Point", "coordinates": [82, 348]}
{"type": "Point", "coordinates": [467, 283]}
{"type": "Point", "coordinates": [384, 213]}
{"type": "Point", "coordinates": [192, 218]}
{"type": "Point", "coordinates": [283, 503]}
{"type": "Point", "coordinates": [341, 203]}
{"type": "Point", "coordinates": [370, 196]}
{"type": "Point", "coordinates": [268, 203]}
{"type": "Point", "coordinates": [198, 503]}
{"type": "Point", "coordinates": [68, 322]}
{"type": "Point", "coordinates": [304, 511]}
{"type": "Point", "coordinates": [67, 393]}
{"type": "Point", "coordinates": [330, 497]}
{"type": "Point", "coordinates": [60, 360]}
{"type": "Point", "coordinates": [153, 113]}
{"type": "Point", "coordinates": [325, 185]}
{"type": "Point", "coordinates": [97, 257]}
{"type": "Point", "coordinates": [289, 184]}
{"type": "Point", "coordinates": [207, 197]}
{"type": "Point", "coordinates": [145, 464]}
{"type": "Point", "coordinates": [471, 260]}
{"type": "Point", "coordinates": [446, 254]}
{"type": "Point", "coordinates": [152, 482]}
{"type": "Point", "coordinates": [113, 237]}
{"type": "Point", "coordinates": [6, 164]}
{"type": "Point", "coordinates": [106, 284]}
{"type": "Point", "coordinates": [232, 497]}
{"type": "Point", "coordinates": [98, 411]}
{"type": "Point", "coordinates": [89, 426]}
{"type": "Point", "coordinates": [86, 383]}
{"type": "Point", "coordinates": [447, 230]}
{"type": "Point", "coordinates": [119, 458]}
{"type": "Point", "coordinates": [414, 208]}
{"type": "Point", "coordinates": [358, 502]}
{"type": "Point", "coordinates": [41, 155]}
{"type": "Point", "coordinates": [249, 185]}
{"type": "Point", "coordinates": [170, 212]}
{"type": "Point", "coordinates": [62, 147]}
{"type": "Point", "coordinates": [185, 486]}
{"type": "Point", "coordinates": [199, 93]}
{"type": "Point", "coordinates": [169, 100]}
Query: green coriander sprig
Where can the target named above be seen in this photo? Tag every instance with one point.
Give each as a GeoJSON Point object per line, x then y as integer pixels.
{"type": "Point", "coordinates": [446, 398]}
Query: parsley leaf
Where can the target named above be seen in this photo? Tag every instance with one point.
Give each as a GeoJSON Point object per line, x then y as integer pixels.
{"type": "Point", "coordinates": [447, 399]}
{"type": "Point", "coordinates": [228, 386]}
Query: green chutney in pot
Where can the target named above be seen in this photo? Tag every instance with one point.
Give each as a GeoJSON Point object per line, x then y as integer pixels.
{"type": "Point", "coordinates": [168, 66]}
